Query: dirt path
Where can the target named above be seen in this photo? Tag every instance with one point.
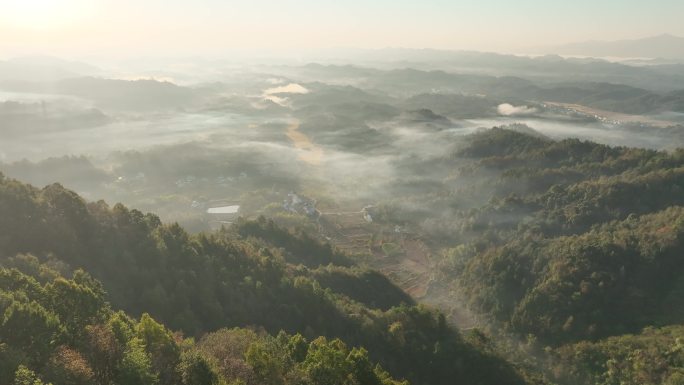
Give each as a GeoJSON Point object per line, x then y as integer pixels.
{"type": "Point", "coordinates": [309, 151]}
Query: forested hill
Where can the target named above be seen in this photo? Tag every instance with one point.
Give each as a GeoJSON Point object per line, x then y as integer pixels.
{"type": "Point", "coordinates": [575, 247]}
{"type": "Point", "coordinates": [571, 247]}
{"type": "Point", "coordinates": [579, 241]}
{"type": "Point", "coordinates": [63, 332]}
{"type": "Point", "coordinates": [254, 274]}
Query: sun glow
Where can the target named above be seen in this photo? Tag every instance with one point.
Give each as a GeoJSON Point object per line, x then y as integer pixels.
{"type": "Point", "coordinates": [43, 14]}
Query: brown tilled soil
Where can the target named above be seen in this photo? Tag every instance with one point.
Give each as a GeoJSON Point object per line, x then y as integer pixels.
{"type": "Point", "coordinates": [411, 270]}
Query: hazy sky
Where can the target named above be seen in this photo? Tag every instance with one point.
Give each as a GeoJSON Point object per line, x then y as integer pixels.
{"type": "Point", "coordinates": [174, 27]}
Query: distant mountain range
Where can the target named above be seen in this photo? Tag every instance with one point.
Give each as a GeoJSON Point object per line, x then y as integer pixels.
{"type": "Point", "coordinates": [661, 46]}
{"type": "Point", "coordinates": [44, 68]}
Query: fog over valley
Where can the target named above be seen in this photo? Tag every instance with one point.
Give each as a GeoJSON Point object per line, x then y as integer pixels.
{"type": "Point", "coordinates": [304, 193]}
{"type": "Point", "coordinates": [347, 128]}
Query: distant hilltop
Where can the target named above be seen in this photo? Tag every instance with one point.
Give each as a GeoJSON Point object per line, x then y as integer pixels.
{"type": "Point", "coordinates": [662, 46]}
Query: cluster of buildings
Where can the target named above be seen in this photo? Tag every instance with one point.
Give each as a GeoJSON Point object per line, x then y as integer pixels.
{"type": "Point", "coordinates": [367, 213]}
{"type": "Point", "coordinates": [298, 204]}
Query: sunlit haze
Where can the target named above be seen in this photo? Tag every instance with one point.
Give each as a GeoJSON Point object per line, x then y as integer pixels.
{"type": "Point", "coordinates": [341, 192]}
{"type": "Point", "coordinates": [211, 27]}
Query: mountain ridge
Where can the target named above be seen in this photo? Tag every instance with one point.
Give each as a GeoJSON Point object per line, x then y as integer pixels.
{"type": "Point", "coordinates": [664, 46]}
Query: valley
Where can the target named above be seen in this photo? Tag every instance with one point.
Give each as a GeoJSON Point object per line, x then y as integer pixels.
{"type": "Point", "coordinates": [400, 216]}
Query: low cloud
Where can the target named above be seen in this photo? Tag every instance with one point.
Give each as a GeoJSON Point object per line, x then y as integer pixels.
{"type": "Point", "coordinates": [507, 109]}
{"type": "Point", "coordinates": [292, 88]}
{"type": "Point", "coordinates": [275, 94]}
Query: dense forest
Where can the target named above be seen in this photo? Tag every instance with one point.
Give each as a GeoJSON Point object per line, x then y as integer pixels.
{"type": "Point", "coordinates": [588, 248]}
{"type": "Point", "coordinates": [64, 332]}
{"type": "Point", "coordinates": [570, 246]}
{"type": "Point", "coordinates": [567, 252]}
{"type": "Point", "coordinates": [308, 313]}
